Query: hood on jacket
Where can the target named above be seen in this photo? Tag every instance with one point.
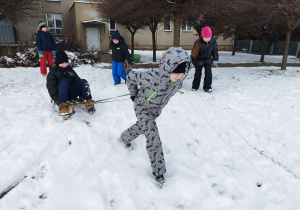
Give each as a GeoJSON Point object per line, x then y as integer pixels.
{"type": "Point", "coordinates": [120, 41]}
{"type": "Point", "coordinates": [173, 57]}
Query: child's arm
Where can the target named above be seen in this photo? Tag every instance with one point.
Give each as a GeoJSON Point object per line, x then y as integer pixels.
{"type": "Point", "coordinates": [214, 52]}
{"type": "Point", "coordinates": [52, 87]}
{"type": "Point", "coordinates": [53, 43]}
{"type": "Point", "coordinates": [135, 79]}
{"type": "Point", "coordinates": [126, 53]}
{"type": "Point", "coordinates": [38, 42]}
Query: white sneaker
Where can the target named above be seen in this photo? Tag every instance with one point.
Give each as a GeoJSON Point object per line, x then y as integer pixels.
{"type": "Point", "coordinates": [208, 90]}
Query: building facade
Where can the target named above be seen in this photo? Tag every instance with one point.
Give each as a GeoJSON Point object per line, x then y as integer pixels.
{"type": "Point", "coordinates": [78, 20]}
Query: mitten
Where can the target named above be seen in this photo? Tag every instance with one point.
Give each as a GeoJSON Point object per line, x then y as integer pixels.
{"type": "Point", "coordinates": [132, 98]}
{"type": "Point", "coordinates": [41, 54]}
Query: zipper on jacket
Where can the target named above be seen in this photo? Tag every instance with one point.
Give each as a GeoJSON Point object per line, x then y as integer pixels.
{"type": "Point", "coordinates": [148, 99]}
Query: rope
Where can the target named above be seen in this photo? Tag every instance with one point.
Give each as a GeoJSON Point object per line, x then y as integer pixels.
{"type": "Point", "coordinates": [102, 101]}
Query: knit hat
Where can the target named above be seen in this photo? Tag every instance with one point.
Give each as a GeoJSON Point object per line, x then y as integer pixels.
{"type": "Point", "coordinates": [61, 57]}
{"type": "Point", "coordinates": [206, 32]}
{"type": "Point", "coordinates": [116, 35]}
{"type": "Point", "coordinates": [181, 68]}
{"type": "Point", "coordinates": [42, 24]}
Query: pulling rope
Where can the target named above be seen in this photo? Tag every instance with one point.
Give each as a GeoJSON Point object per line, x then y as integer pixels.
{"type": "Point", "coordinates": [102, 101]}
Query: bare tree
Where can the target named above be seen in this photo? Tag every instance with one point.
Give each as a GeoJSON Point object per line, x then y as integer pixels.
{"type": "Point", "coordinates": [274, 13]}
{"type": "Point", "coordinates": [127, 15]}
{"type": "Point", "coordinates": [20, 9]}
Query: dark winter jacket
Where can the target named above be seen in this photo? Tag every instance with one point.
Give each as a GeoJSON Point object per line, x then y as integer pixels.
{"type": "Point", "coordinates": [153, 89]}
{"type": "Point", "coordinates": [44, 41]}
{"type": "Point", "coordinates": [55, 76]}
{"type": "Point", "coordinates": [120, 51]}
{"type": "Point", "coordinates": [207, 54]}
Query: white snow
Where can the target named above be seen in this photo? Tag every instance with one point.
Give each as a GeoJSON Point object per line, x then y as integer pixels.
{"type": "Point", "coordinates": [225, 57]}
{"type": "Point", "coordinates": [218, 147]}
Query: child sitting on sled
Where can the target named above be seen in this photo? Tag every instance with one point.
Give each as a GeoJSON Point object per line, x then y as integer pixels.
{"type": "Point", "coordinates": [64, 84]}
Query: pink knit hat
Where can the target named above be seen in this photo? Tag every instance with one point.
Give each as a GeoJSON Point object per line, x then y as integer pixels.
{"type": "Point", "coordinates": [206, 32]}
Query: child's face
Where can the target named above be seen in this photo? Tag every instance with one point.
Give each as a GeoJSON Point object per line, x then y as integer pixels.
{"type": "Point", "coordinates": [44, 29]}
{"type": "Point", "coordinates": [115, 41]}
{"type": "Point", "coordinates": [207, 39]}
{"type": "Point", "coordinates": [175, 77]}
{"type": "Point", "coordinates": [63, 65]}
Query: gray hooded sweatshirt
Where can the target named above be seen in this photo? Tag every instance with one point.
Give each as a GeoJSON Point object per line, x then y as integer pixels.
{"type": "Point", "coordinates": [156, 88]}
{"type": "Point", "coordinates": [155, 91]}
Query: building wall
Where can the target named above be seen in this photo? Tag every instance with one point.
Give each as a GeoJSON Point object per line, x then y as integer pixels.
{"type": "Point", "coordinates": [26, 29]}
{"type": "Point", "coordinates": [164, 39]}
{"type": "Point", "coordinates": [84, 12]}
{"type": "Point", "coordinates": [73, 13]}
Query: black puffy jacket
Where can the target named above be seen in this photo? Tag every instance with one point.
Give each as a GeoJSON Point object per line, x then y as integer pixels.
{"type": "Point", "coordinates": [120, 51]}
{"type": "Point", "coordinates": [55, 76]}
{"type": "Point", "coordinates": [207, 53]}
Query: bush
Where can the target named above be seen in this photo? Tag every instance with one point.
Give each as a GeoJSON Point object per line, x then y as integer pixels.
{"type": "Point", "coordinates": [27, 55]}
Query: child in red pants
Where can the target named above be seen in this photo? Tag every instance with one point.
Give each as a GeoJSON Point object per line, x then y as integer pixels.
{"type": "Point", "coordinates": [45, 45]}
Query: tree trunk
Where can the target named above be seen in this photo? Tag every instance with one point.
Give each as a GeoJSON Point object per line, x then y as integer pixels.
{"type": "Point", "coordinates": [153, 45]}
{"type": "Point", "coordinates": [132, 44]}
{"type": "Point", "coordinates": [233, 47]}
{"type": "Point", "coordinates": [286, 49]}
{"type": "Point", "coordinates": [263, 51]}
{"type": "Point", "coordinates": [176, 37]}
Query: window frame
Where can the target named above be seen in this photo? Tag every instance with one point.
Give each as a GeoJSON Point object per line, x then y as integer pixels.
{"type": "Point", "coordinates": [111, 31]}
{"type": "Point", "coordinates": [186, 23]}
{"type": "Point", "coordinates": [168, 19]}
{"type": "Point", "coordinates": [54, 22]}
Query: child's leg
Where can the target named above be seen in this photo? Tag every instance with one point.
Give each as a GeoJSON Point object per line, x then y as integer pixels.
{"type": "Point", "coordinates": [63, 89]}
{"type": "Point", "coordinates": [43, 64]}
{"type": "Point", "coordinates": [197, 77]}
{"type": "Point", "coordinates": [50, 59]}
{"type": "Point", "coordinates": [115, 72]}
{"type": "Point", "coordinates": [81, 87]}
{"type": "Point", "coordinates": [120, 71]}
{"type": "Point", "coordinates": [154, 149]}
{"type": "Point", "coordinates": [146, 125]}
{"type": "Point", "coordinates": [207, 77]}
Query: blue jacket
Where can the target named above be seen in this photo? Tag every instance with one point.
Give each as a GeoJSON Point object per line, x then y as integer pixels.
{"type": "Point", "coordinates": [44, 41]}
{"type": "Point", "coordinates": [120, 51]}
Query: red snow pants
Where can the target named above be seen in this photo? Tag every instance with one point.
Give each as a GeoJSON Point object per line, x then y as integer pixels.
{"type": "Point", "coordinates": [48, 57]}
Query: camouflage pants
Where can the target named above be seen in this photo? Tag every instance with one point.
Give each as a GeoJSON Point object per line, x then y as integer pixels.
{"type": "Point", "coordinates": [146, 125]}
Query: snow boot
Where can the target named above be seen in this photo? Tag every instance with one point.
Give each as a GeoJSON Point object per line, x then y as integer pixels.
{"type": "Point", "coordinates": [160, 181]}
{"type": "Point", "coordinates": [126, 145]}
{"type": "Point", "coordinates": [64, 109]}
{"type": "Point", "coordinates": [90, 108]}
{"type": "Point", "coordinates": [117, 83]}
{"type": "Point", "coordinates": [194, 89]}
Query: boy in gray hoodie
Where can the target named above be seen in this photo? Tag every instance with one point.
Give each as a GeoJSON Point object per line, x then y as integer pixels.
{"type": "Point", "coordinates": [151, 91]}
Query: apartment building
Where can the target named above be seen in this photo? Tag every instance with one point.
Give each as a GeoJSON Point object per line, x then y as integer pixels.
{"type": "Point", "coordinates": [79, 20]}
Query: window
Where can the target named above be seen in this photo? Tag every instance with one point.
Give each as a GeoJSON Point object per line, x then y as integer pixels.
{"type": "Point", "coordinates": [112, 27]}
{"type": "Point", "coordinates": [186, 26]}
{"type": "Point", "coordinates": [167, 24]}
{"type": "Point", "coordinates": [54, 23]}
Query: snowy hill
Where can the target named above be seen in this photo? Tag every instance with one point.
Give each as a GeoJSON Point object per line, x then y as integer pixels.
{"type": "Point", "coordinates": [237, 148]}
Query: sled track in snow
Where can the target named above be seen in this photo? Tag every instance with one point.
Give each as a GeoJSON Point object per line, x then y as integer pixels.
{"type": "Point", "coordinates": [253, 147]}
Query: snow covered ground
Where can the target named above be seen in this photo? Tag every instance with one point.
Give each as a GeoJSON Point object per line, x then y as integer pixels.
{"type": "Point", "coordinates": [237, 148]}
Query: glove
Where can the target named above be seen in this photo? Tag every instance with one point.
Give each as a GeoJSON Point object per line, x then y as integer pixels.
{"type": "Point", "coordinates": [132, 98]}
{"type": "Point", "coordinates": [41, 54]}
{"type": "Point", "coordinates": [54, 53]}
